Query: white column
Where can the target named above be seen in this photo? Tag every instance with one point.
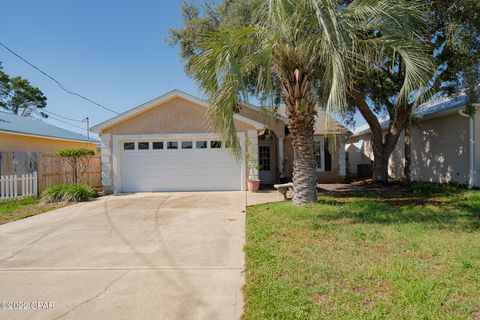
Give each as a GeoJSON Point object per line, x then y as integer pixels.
{"type": "Point", "coordinates": [106, 157]}
{"type": "Point", "coordinates": [280, 157]}
{"type": "Point", "coordinates": [341, 160]}
{"type": "Point", "coordinates": [252, 136]}
{"type": "Point", "coordinates": [471, 128]}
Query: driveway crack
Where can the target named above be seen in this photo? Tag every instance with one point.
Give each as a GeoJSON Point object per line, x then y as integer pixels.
{"type": "Point", "coordinates": [94, 297]}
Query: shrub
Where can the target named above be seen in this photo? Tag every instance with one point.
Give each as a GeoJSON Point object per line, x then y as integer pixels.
{"type": "Point", "coordinates": [435, 188]}
{"type": "Point", "coordinates": [68, 193]}
{"type": "Point", "coordinates": [74, 153]}
{"type": "Point", "coordinates": [77, 160]}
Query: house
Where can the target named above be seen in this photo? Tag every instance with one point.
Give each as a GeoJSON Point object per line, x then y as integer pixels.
{"type": "Point", "coordinates": [26, 134]}
{"type": "Point", "coordinates": [445, 144]}
{"type": "Point", "coordinates": [167, 144]}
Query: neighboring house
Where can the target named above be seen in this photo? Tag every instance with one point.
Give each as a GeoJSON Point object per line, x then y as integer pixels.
{"type": "Point", "coordinates": [445, 144]}
{"type": "Point", "coordinates": [167, 144]}
{"type": "Point", "coordinates": [26, 134]}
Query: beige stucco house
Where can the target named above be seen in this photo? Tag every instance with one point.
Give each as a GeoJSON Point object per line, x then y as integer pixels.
{"type": "Point", "coordinates": [444, 145]}
{"type": "Point", "coordinates": [25, 134]}
{"type": "Point", "coordinates": [168, 144]}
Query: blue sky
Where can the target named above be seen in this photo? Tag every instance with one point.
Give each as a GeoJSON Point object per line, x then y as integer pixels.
{"type": "Point", "coordinates": [114, 52]}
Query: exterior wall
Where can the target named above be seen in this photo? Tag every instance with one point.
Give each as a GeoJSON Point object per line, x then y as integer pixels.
{"type": "Point", "coordinates": [276, 125]}
{"type": "Point", "coordinates": [14, 142]}
{"type": "Point", "coordinates": [322, 176]}
{"type": "Point", "coordinates": [359, 152]}
{"type": "Point", "coordinates": [176, 116]}
{"type": "Point", "coordinates": [439, 151]}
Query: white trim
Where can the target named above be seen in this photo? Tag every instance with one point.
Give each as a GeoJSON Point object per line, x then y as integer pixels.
{"type": "Point", "coordinates": [160, 100]}
{"type": "Point", "coordinates": [471, 147]}
{"type": "Point", "coordinates": [118, 139]}
{"type": "Point", "coordinates": [281, 158]}
{"type": "Point", "coordinates": [322, 148]}
{"type": "Point", "coordinates": [46, 137]}
{"type": "Point", "coordinates": [342, 164]}
{"type": "Point", "coordinates": [271, 144]}
{"type": "Point", "coordinates": [252, 136]}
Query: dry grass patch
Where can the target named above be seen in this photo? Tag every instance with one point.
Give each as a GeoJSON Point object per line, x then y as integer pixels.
{"type": "Point", "coordinates": [11, 210]}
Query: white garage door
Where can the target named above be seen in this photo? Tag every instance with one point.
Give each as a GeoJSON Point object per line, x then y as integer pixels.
{"type": "Point", "coordinates": [178, 165]}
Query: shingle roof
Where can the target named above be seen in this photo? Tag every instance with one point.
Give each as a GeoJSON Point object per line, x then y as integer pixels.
{"type": "Point", "coordinates": [13, 123]}
{"type": "Point", "coordinates": [436, 105]}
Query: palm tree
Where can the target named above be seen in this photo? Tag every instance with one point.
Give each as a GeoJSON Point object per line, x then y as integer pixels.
{"type": "Point", "coordinates": [308, 53]}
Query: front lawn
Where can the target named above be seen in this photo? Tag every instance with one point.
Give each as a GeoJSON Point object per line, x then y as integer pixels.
{"type": "Point", "coordinates": [11, 210]}
{"type": "Point", "coordinates": [409, 255]}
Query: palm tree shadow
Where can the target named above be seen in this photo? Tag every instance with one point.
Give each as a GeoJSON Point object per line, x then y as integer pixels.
{"type": "Point", "coordinates": [396, 209]}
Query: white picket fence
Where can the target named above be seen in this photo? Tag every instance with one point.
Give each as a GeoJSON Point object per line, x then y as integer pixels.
{"type": "Point", "coordinates": [14, 186]}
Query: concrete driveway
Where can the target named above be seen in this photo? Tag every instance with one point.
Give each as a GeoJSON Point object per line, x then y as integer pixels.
{"type": "Point", "coordinates": [136, 256]}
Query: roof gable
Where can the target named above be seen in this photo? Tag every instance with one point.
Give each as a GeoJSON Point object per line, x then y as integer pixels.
{"type": "Point", "coordinates": [12, 123]}
{"type": "Point", "coordinates": [159, 101]}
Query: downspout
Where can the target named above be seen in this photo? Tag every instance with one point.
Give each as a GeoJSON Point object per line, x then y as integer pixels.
{"type": "Point", "coordinates": [471, 151]}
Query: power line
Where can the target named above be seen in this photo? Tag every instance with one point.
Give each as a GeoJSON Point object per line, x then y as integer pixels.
{"type": "Point", "coordinates": [66, 118]}
{"type": "Point", "coordinates": [56, 81]}
{"type": "Point", "coordinates": [48, 112]}
{"type": "Point", "coordinates": [52, 117]}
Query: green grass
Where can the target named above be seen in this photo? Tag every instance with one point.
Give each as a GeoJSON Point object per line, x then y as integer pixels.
{"type": "Point", "coordinates": [409, 255]}
{"type": "Point", "coordinates": [9, 206]}
{"type": "Point", "coordinates": [11, 210]}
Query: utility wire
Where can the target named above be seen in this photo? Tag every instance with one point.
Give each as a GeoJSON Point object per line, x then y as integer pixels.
{"type": "Point", "coordinates": [48, 112]}
{"type": "Point", "coordinates": [56, 81]}
{"type": "Point", "coordinates": [66, 118]}
{"type": "Point", "coordinates": [55, 118]}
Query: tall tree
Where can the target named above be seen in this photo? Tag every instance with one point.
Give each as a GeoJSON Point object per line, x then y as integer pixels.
{"type": "Point", "coordinates": [18, 96]}
{"type": "Point", "coordinates": [452, 31]}
{"type": "Point", "coordinates": [315, 51]}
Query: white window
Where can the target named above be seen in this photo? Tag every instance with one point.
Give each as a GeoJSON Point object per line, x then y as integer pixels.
{"type": "Point", "coordinates": [172, 145]}
{"type": "Point", "coordinates": [201, 144]}
{"type": "Point", "coordinates": [318, 149]}
{"type": "Point", "coordinates": [129, 146]}
{"type": "Point", "coordinates": [143, 145]}
{"type": "Point", "coordinates": [187, 144]}
{"type": "Point", "coordinates": [215, 144]}
{"type": "Point", "coordinates": [157, 145]}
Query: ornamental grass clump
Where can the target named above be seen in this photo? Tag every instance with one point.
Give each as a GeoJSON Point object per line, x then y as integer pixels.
{"type": "Point", "coordinates": [68, 193]}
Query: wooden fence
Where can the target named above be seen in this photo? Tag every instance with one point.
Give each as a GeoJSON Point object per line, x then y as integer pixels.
{"type": "Point", "coordinates": [14, 186]}
{"type": "Point", "coordinates": [51, 169]}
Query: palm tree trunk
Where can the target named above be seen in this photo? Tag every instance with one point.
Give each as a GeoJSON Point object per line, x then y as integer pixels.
{"type": "Point", "coordinates": [304, 171]}
{"type": "Point", "coordinates": [299, 97]}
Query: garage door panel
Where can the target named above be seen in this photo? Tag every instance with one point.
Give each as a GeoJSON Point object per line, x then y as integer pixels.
{"type": "Point", "coordinates": [179, 170]}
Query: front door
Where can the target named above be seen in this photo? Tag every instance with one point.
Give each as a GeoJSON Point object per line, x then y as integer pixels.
{"type": "Point", "coordinates": [265, 162]}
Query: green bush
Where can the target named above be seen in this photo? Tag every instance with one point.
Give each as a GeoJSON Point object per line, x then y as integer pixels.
{"type": "Point", "coordinates": [435, 188]}
{"type": "Point", "coordinates": [68, 193]}
{"type": "Point", "coordinates": [74, 153]}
